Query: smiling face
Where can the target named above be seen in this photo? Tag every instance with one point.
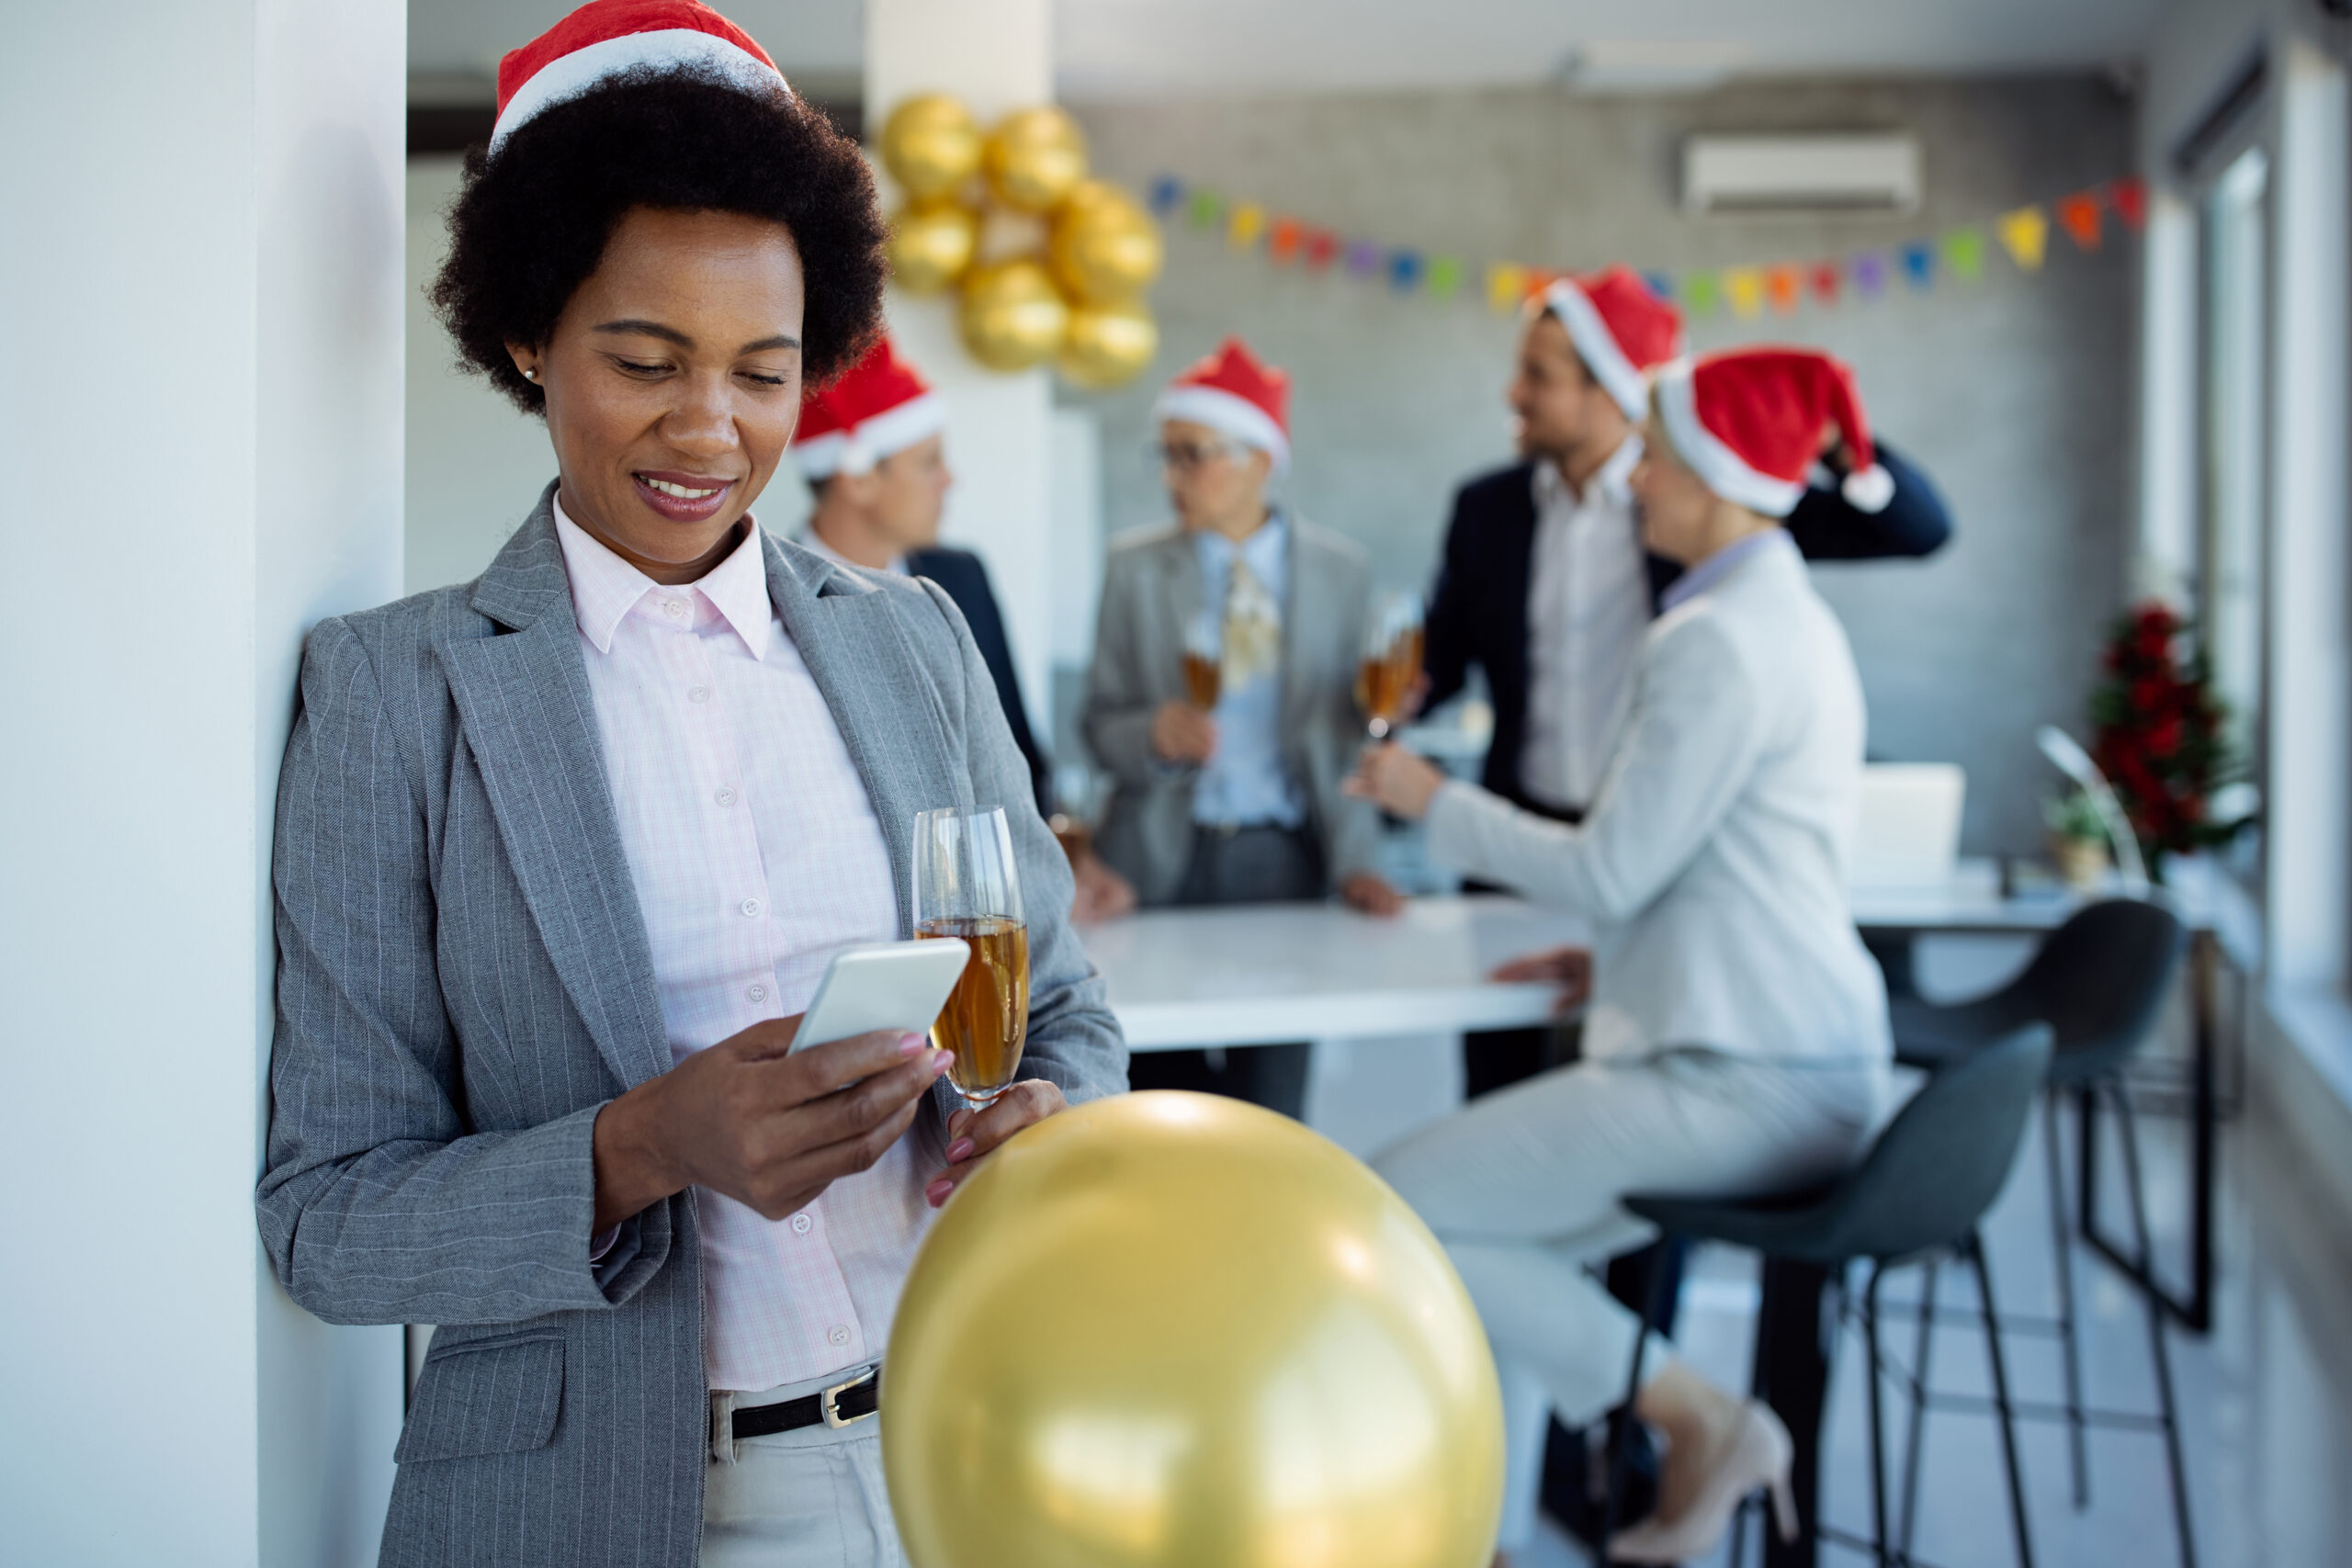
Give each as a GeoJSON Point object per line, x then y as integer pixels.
{"type": "Point", "coordinates": [1563, 414]}
{"type": "Point", "coordinates": [672, 382]}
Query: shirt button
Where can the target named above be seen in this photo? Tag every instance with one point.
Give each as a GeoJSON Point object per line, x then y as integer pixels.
{"type": "Point", "coordinates": [698, 694]}
{"type": "Point", "coordinates": [800, 1223]}
{"type": "Point", "coordinates": [725, 797]}
{"type": "Point", "coordinates": [673, 607]}
{"type": "Point", "coordinates": [757, 993]}
{"type": "Point", "coordinates": [751, 908]}
{"type": "Point", "coordinates": [838, 1334]}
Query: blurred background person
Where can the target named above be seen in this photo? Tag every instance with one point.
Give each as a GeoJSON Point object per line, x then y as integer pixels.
{"type": "Point", "coordinates": [1736, 1039]}
{"type": "Point", "coordinates": [1229, 793]}
{"type": "Point", "coordinates": [872, 447]}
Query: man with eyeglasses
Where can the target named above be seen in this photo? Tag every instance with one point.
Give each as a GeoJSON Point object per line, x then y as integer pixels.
{"type": "Point", "coordinates": [1231, 795]}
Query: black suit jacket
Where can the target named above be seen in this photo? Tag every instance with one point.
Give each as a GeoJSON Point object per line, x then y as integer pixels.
{"type": "Point", "coordinates": [967, 581]}
{"type": "Point", "coordinates": [1478, 611]}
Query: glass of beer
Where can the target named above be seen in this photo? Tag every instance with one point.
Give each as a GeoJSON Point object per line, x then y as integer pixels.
{"type": "Point", "coordinates": [1392, 662]}
{"type": "Point", "coordinates": [967, 885]}
{"type": "Point", "coordinates": [1204, 660]}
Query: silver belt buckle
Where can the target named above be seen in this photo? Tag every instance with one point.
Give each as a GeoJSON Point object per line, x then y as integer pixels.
{"type": "Point", "coordinates": [825, 1401]}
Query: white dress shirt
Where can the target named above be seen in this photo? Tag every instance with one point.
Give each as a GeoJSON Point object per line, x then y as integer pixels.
{"type": "Point", "coordinates": [756, 855]}
{"type": "Point", "coordinates": [1588, 607]}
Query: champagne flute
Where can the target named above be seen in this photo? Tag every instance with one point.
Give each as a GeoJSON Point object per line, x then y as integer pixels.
{"type": "Point", "coordinates": [1392, 661]}
{"type": "Point", "coordinates": [967, 885]}
{"type": "Point", "coordinates": [1204, 660]}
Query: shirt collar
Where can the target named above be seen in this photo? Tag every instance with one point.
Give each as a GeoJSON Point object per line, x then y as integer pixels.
{"type": "Point", "coordinates": [814, 543]}
{"type": "Point", "coordinates": [1609, 481]}
{"type": "Point", "coordinates": [1722, 564]}
{"type": "Point", "coordinates": [604, 588]}
{"type": "Point", "coordinates": [1261, 549]}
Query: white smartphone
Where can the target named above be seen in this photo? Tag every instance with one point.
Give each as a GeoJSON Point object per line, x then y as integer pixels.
{"type": "Point", "coordinates": [883, 985]}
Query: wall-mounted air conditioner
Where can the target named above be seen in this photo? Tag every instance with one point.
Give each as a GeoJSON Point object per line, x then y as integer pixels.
{"type": "Point", "coordinates": [1875, 172]}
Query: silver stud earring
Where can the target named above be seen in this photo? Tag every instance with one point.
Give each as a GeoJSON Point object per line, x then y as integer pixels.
{"type": "Point", "coordinates": [530, 374]}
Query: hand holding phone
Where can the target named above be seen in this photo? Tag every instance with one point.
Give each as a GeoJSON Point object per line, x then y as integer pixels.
{"type": "Point", "coordinates": [885, 984]}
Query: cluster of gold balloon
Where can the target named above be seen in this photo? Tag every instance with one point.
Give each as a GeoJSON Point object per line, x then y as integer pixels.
{"type": "Point", "coordinates": [974, 205]}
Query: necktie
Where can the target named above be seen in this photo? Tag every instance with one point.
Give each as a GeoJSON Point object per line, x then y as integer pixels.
{"type": "Point", "coordinates": [1254, 629]}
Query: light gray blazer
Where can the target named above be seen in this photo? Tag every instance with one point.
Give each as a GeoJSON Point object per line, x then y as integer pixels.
{"type": "Point", "coordinates": [464, 980]}
{"type": "Point", "coordinates": [1151, 592]}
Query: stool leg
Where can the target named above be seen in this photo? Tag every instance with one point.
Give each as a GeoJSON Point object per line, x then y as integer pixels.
{"type": "Point", "coordinates": [2070, 1360]}
{"type": "Point", "coordinates": [2129, 1136]}
{"type": "Point", "coordinates": [1624, 1425]}
{"type": "Point", "coordinates": [1922, 1350]}
{"type": "Point", "coordinates": [1878, 1427]}
{"type": "Point", "coordinates": [1974, 1247]}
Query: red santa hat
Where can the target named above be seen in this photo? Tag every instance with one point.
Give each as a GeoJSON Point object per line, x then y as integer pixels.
{"type": "Point", "coordinates": [1620, 330]}
{"type": "Point", "coordinates": [1749, 423]}
{"type": "Point", "coordinates": [606, 38]}
{"type": "Point", "coordinates": [1235, 393]}
{"type": "Point", "coordinates": [880, 406]}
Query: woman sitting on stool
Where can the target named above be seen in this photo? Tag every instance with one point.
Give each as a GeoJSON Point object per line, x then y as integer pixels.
{"type": "Point", "coordinates": [1737, 1040]}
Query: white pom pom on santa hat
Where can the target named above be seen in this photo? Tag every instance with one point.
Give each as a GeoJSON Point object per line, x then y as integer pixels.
{"type": "Point", "coordinates": [1749, 423]}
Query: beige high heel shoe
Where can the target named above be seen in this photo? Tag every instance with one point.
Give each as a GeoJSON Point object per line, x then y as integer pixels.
{"type": "Point", "coordinates": [1759, 1454]}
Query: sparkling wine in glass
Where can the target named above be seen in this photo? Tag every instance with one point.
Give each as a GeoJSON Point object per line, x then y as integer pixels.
{"type": "Point", "coordinates": [1392, 662]}
{"type": "Point", "coordinates": [1204, 660]}
{"type": "Point", "coordinates": [967, 885]}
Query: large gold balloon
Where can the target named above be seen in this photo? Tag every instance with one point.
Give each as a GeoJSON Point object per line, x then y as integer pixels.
{"type": "Point", "coordinates": [1108, 344]}
{"type": "Point", "coordinates": [1013, 317]}
{"type": "Point", "coordinates": [1033, 158]}
{"type": "Point", "coordinates": [1174, 1331]}
{"type": "Point", "coordinates": [932, 244]}
{"type": "Point", "coordinates": [1103, 247]}
{"type": "Point", "coordinates": [930, 145]}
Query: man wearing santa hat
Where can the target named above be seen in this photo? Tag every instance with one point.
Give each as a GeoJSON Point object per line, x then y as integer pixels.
{"type": "Point", "coordinates": [1234, 798]}
{"type": "Point", "coordinates": [1736, 1038]}
{"type": "Point", "coordinates": [873, 448]}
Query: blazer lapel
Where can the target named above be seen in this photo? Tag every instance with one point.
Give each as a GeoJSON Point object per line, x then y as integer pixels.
{"type": "Point", "coordinates": [529, 720]}
{"type": "Point", "coordinates": [890, 712]}
{"type": "Point", "coordinates": [1303, 628]}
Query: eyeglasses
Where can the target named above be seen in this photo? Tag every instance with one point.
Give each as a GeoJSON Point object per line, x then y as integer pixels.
{"type": "Point", "coordinates": [1182, 458]}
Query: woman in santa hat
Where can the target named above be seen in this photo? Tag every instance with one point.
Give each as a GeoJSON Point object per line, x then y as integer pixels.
{"type": "Point", "coordinates": [1737, 1035]}
{"type": "Point", "coordinates": [562, 855]}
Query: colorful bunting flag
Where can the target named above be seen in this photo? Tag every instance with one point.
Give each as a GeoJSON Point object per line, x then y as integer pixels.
{"type": "Point", "coordinates": [1166, 192]}
{"type": "Point", "coordinates": [1660, 283]}
{"type": "Point", "coordinates": [1918, 263]}
{"type": "Point", "coordinates": [1249, 221]}
{"type": "Point", "coordinates": [2079, 216]}
{"type": "Point", "coordinates": [1363, 258]}
{"type": "Point", "coordinates": [1322, 246]}
{"type": "Point", "coordinates": [1744, 285]}
{"type": "Point", "coordinates": [1700, 293]}
{"type": "Point", "coordinates": [1964, 253]}
{"type": "Point", "coordinates": [1506, 286]}
{"type": "Point", "coordinates": [1403, 271]}
{"type": "Point", "coordinates": [1283, 240]}
{"type": "Point", "coordinates": [1445, 276]}
{"type": "Point", "coordinates": [1205, 208]}
{"type": "Point", "coordinates": [2130, 200]}
{"type": "Point", "coordinates": [1826, 280]}
{"type": "Point", "coordinates": [1783, 283]}
{"type": "Point", "coordinates": [2025, 234]}
{"type": "Point", "coordinates": [1869, 272]}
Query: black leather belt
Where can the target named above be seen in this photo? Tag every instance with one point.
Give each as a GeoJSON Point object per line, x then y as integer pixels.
{"type": "Point", "coordinates": [843, 1405]}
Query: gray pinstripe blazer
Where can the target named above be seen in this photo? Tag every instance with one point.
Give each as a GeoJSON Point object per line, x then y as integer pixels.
{"type": "Point", "coordinates": [464, 980]}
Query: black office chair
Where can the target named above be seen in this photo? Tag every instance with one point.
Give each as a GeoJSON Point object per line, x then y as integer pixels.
{"type": "Point", "coordinates": [2099, 981]}
{"type": "Point", "coordinates": [1919, 1194]}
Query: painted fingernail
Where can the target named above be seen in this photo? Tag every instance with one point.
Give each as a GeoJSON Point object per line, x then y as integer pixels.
{"type": "Point", "coordinates": [910, 1044]}
{"type": "Point", "coordinates": [938, 1190]}
{"type": "Point", "coordinates": [940, 1060]}
{"type": "Point", "coordinates": [960, 1149]}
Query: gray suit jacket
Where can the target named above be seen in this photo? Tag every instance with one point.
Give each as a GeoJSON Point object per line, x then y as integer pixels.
{"type": "Point", "coordinates": [464, 980]}
{"type": "Point", "coordinates": [1151, 590]}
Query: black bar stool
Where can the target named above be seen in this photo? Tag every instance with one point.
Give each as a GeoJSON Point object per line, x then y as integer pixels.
{"type": "Point", "coordinates": [2099, 981]}
{"type": "Point", "coordinates": [1919, 1194]}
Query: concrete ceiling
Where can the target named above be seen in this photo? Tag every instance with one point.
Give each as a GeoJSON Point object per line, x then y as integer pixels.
{"type": "Point", "coordinates": [1109, 48]}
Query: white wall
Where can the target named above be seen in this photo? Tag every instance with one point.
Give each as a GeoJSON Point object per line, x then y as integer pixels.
{"type": "Point", "coordinates": [204, 445]}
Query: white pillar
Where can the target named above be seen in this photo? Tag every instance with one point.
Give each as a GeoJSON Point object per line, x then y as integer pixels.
{"type": "Point", "coordinates": [996, 55]}
{"type": "Point", "coordinates": [199, 278]}
{"type": "Point", "coordinates": [2165, 562]}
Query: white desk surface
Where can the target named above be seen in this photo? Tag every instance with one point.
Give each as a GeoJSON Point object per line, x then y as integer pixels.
{"type": "Point", "coordinates": [1242, 976]}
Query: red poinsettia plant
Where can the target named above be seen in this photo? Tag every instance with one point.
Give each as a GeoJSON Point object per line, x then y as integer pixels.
{"type": "Point", "coordinates": [2159, 736]}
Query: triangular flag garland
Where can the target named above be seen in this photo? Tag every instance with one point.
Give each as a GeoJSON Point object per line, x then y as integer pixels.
{"type": "Point", "coordinates": [1961, 254]}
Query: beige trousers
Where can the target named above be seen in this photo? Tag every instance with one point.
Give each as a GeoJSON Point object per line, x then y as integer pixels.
{"type": "Point", "coordinates": [813, 1498]}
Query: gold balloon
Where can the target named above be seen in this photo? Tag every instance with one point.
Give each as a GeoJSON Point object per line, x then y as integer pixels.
{"type": "Point", "coordinates": [1013, 317]}
{"type": "Point", "coordinates": [1108, 344]}
{"type": "Point", "coordinates": [930, 145]}
{"type": "Point", "coordinates": [1103, 247]}
{"type": "Point", "coordinates": [932, 244]}
{"type": "Point", "coordinates": [1175, 1331]}
{"type": "Point", "coordinates": [1033, 158]}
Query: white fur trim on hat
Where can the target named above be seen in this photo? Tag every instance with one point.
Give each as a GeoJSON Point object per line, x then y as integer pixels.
{"type": "Point", "coordinates": [886, 435]}
{"type": "Point", "coordinates": [1598, 347]}
{"type": "Point", "coordinates": [1722, 469]}
{"type": "Point", "coordinates": [1230, 414]}
{"type": "Point", "coordinates": [667, 48]}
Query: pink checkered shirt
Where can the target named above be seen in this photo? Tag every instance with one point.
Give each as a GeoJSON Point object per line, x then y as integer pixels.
{"type": "Point", "coordinates": [756, 854]}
